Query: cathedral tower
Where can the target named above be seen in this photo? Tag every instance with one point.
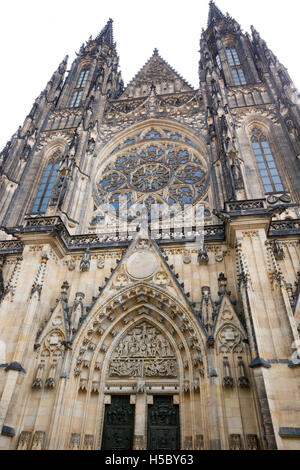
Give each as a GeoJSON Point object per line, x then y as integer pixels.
{"type": "Point", "coordinates": [149, 254]}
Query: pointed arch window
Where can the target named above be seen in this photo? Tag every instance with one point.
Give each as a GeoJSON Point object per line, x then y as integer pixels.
{"type": "Point", "coordinates": [80, 86]}
{"type": "Point", "coordinates": [76, 99]}
{"type": "Point", "coordinates": [218, 60]}
{"type": "Point", "coordinates": [266, 163]}
{"type": "Point", "coordinates": [235, 64]}
{"type": "Point", "coordinates": [84, 74]}
{"type": "Point", "coordinates": [44, 192]}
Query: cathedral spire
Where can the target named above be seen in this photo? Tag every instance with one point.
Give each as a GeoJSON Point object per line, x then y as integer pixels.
{"type": "Point", "coordinates": [214, 13]}
{"type": "Point", "coordinates": [106, 35]}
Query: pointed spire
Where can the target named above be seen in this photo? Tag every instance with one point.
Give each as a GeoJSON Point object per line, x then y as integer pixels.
{"type": "Point", "coordinates": [106, 35]}
{"type": "Point", "coordinates": [214, 13]}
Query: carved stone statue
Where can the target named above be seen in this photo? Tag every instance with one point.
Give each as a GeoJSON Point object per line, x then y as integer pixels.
{"type": "Point", "coordinates": [85, 262]}
{"type": "Point", "coordinates": [237, 174]}
{"type": "Point", "coordinates": [203, 258]}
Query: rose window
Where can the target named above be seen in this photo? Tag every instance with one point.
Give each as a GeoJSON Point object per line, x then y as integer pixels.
{"type": "Point", "coordinates": [150, 178]}
{"type": "Point", "coordinates": [158, 166]}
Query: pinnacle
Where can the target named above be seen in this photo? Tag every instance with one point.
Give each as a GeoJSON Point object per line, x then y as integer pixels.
{"type": "Point", "coordinates": [214, 12]}
{"type": "Point", "coordinates": [106, 35]}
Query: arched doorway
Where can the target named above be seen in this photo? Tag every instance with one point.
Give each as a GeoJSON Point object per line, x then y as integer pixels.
{"type": "Point", "coordinates": [145, 357]}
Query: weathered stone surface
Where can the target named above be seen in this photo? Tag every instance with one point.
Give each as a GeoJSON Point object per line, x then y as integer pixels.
{"type": "Point", "coordinates": [105, 321]}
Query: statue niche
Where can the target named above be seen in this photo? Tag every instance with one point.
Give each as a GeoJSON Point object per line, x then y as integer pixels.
{"type": "Point", "coordinates": [143, 352]}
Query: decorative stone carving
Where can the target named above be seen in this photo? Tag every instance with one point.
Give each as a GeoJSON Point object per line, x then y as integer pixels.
{"type": "Point", "coordinates": [38, 440]}
{"type": "Point", "coordinates": [122, 280]}
{"type": "Point", "coordinates": [203, 258]}
{"type": "Point", "coordinates": [235, 442]}
{"type": "Point", "coordinates": [101, 262]}
{"type": "Point", "coordinates": [71, 263]}
{"type": "Point", "coordinates": [139, 443]}
{"type": "Point", "coordinates": [57, 320]}
{"type": "Point", "coordinates": [24, 440]}
{"type": "Point", "coordinates": [85, 261]}
{"type": "Point", "coordinates": [252, 442]}
{"type": "Point", "coordinates": [188, 443]}
{"type": "Point", "coordinates": [140, 387]}
{"type": "Point", "coordinates": [39, 278]}
{"type": "Point", "coordinates": [219, 256]}
{"type": "Point", "coordinates": [77, 311]}
{"type": "Point", "coordinates": [228, 382]}
{"type": "Point", "coordinates": [237, 174]}
{"type": "Point", "coordinates": [199, 442]}
{"type": "Point", "coordinates": [83, 385]}
{"type": "Point", "coordinates": [196, 385]}
{"type": "Point", "coordinates": [95, 386]}
{"type": "Point", "coordinates": [161, 278]}
{"type": "Point", "coordinates": [222, 281]}
{"type": "Point", "coordinates": [278, 251]}
{"type": "Point", "coordinates": [243, 381]}
{"type": "Point", "coordinates": [75, 441]}
{"type": "Point", "coordinates": [227, 315]}
{"type": "Point", "coordinates": [143, 352]}
{"type": "Point", "coordinates": [50, 382]}
{"type": "Point", "coordinates": [187, 258]}
{"type": "Point", "coordinates": [88, 442]}
{"type": "Point", "coordinates": [230, 339]}
{"type": "Point", "coordinates": [54, 340]}
{"type": "Point", "coordinates": [91, 146]}
{"type": "Point", "coordinates": [274, 199]}
{"type": "Point", "coordinates": [38, 382]}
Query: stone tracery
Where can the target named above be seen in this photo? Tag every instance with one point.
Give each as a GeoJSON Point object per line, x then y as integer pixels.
{"type": "Point", "coordinates": [159, 166]}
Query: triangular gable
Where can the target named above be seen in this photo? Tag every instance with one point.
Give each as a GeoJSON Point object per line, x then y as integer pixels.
{"type": "Point", "coordinates": [154, 72]}
{"type": "Point", "coordinates": [229, 331]}
{"type": "Point", "coordinates": [143, 262]}
{"type": "Point", "coordinates": [58, 321]}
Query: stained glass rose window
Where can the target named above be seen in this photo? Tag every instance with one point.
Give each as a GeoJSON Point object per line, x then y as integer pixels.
{"type": "Point", "coordinates": [158, 165]}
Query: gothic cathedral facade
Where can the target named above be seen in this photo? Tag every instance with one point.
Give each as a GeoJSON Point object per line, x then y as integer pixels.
{"type": "Point", "coordinates": [120, 334]}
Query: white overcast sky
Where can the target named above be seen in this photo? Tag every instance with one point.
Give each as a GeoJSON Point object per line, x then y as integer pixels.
{"type": "Point", "coordinates": [35, 35]}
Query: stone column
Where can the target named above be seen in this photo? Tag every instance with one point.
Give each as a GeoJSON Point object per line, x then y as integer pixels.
{"type": "Point", "coordinates": [56, 425]}
{"type": "Point", "coordinates": [259, 313]}
{"type": "Point", "coordinates": [140, 425]}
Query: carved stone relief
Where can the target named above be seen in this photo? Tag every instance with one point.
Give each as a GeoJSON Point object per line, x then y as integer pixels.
{"type": "Point", "coordinates": [24, 440]}
{"type": "Point", "coordinates": [38, 440]}
{"type": "Point", "coordinates": [235, 442]}
{"type": "Point", "coordinates": [143, 352]}
{"type": "Point", "coordinates": [230, 339]}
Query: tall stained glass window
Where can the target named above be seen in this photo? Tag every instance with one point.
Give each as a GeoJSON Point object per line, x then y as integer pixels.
{"type": "Point", "coordinates": [80, 85]}
{"type": "Point", "coordinates": [235, 64]}
{"type": "Point", "coordinates": [44, 192]}
{"type": "Point", "coordinates": [266, 163]}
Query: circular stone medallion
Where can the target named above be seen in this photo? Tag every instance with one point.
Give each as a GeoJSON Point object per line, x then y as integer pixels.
{"type": "Point", "coordinates": [141, 264]}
